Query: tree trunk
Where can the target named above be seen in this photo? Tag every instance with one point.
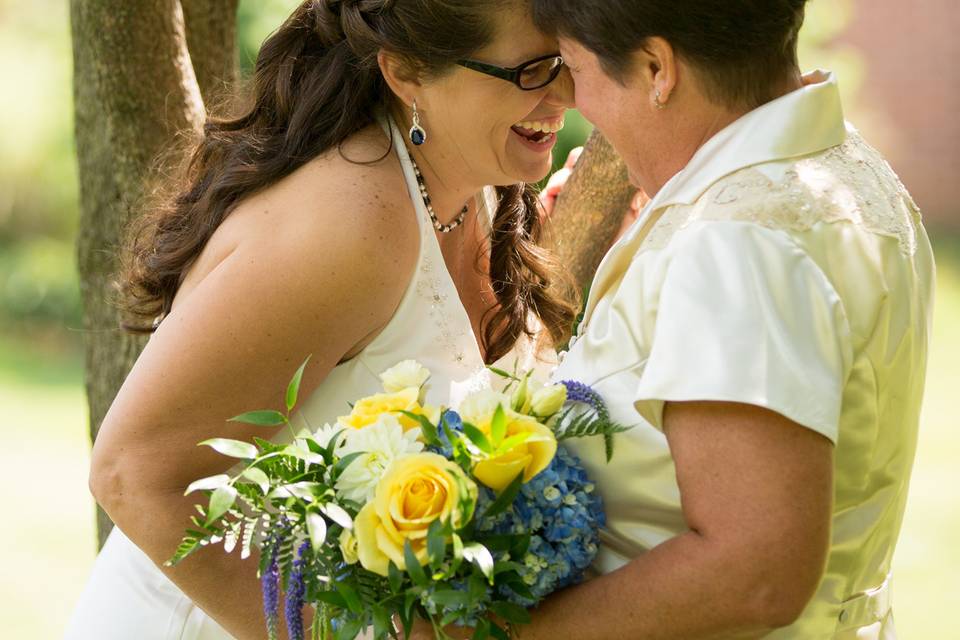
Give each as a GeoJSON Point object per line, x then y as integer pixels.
{"type": "Point", "coordinates": [134, 89]}
{"type": "Point", "coordinates": [590, 210]}
{"type": "Point", "coordinates": [211, 39]}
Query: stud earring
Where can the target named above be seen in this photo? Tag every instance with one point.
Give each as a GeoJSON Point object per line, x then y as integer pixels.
{"type": "Point", "coordinates": [417, 133]}
{"type": "Point", "coordinates": [657, 102]}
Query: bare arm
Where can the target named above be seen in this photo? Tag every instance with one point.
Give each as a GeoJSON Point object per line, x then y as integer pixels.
{"type": "Point", "coordinates": [757, 494]}
{"type": "Point", "coordinates": [316, 282]}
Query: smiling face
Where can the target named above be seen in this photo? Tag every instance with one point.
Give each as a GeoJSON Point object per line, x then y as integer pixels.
{"type": "Point", "coordinates": [487, 128]}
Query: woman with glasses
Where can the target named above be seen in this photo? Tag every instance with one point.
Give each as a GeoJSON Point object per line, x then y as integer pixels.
{"type": "Point", "coordinates": [369, 204]}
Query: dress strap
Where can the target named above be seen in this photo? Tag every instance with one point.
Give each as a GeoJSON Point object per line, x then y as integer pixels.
{"type": "Point", "coordinates": [410, 177]}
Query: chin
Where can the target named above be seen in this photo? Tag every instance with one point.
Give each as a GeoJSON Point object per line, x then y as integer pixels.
{"type": "Point", "coordinates": [536, 173]}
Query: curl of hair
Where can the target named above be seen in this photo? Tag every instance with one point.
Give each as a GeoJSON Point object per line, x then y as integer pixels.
{"type": "Point", "coordinates": [316, 83]}
{"type": "Point", "coordinates": [523, 275]}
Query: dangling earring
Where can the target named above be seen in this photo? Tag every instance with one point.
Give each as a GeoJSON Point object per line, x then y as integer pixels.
{"type": "Point", "coordinates": [417, 133]}
{"type": "Point", "coordinates": [657, 102]}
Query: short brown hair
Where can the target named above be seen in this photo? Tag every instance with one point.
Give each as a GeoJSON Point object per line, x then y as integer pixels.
{"type": "Point", "coordinates": [743, 49]}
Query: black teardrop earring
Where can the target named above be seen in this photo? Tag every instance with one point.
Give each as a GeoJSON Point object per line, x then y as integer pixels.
{"type": "Point", "coordinates": [417, 133]}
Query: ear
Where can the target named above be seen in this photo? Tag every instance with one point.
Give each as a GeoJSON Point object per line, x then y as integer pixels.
{"type": "Point", "coordinates": [402, 80]}
{"type": "Point", "coordinates": [657, 64]}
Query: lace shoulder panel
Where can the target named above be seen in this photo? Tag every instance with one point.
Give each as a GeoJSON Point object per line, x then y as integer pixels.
{"type": "Point", "coordinates": [850, 183]}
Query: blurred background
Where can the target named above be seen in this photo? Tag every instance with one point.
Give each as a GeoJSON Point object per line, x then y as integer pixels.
{"type": "Point", "coordinates": [896, 66]}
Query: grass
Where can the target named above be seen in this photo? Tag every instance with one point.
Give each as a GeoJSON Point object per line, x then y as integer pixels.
{"type": "Point", "coordinates": [51, 544]}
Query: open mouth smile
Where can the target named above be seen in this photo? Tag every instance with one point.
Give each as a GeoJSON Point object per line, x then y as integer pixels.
{"type": "Point", "coordinates": [538, 134]}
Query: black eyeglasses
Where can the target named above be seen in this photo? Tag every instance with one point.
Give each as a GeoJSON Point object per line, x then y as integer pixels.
{"type": "Point", "coordinates": [530, 75]}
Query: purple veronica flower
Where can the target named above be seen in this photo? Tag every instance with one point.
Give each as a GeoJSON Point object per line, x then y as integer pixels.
{"type": "Point", "coordinates": [294, 600]}
{"type": "Point", "coordinates": [579, 392]}
{"type": "Point", "coordinates": [270, 583]}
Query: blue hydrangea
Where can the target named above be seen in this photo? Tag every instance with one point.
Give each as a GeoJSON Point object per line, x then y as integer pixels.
{"type": "Point", "coordinates": [467, 616]}
{"type": "Point", "coordinates": [562, 511]}
{"type": "Point", "coordinates": [449, 420]}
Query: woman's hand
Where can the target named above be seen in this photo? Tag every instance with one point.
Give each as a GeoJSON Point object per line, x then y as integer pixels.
{"type": "Point", "coordinates": [556, 183]}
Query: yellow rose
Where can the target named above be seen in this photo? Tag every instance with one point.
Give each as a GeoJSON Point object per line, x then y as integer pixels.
{"type": "Point", "coordinates": [368, 410]}
{"type": "Point", "coordinates": [415, 491]}
{"type": "Point", "coordinates": [529, 457]}
{"type": "Point", "coordinates": [348, 546]}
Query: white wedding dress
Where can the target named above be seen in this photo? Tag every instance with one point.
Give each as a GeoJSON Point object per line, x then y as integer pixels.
{"type": "Point", "coordinates": [128, 597]}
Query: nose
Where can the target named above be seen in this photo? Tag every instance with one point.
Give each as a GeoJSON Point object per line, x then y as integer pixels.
{"type": "Point", "coordinates": [562, 91]}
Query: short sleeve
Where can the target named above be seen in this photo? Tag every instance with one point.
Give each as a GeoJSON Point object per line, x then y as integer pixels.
{"type": "Point", "coordinates": [745, 315]}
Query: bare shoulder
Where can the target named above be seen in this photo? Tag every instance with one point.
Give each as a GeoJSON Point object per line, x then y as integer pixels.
{"type": "Point", "coordinates": [338, 212]}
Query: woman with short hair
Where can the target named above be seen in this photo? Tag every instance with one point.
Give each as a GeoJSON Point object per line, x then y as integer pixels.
{"type": "Point", "coordinates": [764, 323]}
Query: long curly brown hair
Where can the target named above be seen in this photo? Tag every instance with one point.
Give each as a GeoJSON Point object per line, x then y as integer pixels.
{"type": "Point", "coordinates": [317, 82]}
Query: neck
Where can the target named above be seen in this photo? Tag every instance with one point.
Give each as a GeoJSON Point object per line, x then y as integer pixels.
{"type": "Point", "coordinates": [448, 195]}
{"type": "Point", "coordinates": [707, 121]}
{"type": "Point", "coordinates": [449, 191]}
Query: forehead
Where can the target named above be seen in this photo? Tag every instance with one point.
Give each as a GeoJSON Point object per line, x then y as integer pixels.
{"type": "Point", "coordinates": [516, 38]}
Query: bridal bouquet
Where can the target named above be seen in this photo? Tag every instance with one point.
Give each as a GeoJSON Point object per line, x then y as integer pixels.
{"type": "Point", "coordinates": [402, 510]}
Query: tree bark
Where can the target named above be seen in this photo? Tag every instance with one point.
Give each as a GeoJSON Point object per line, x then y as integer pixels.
{"type": "Point", "coordinates": [211, 39]}
{"type": "Point", "coordinates": [134, 90]}
{"type": "Point", "coordinates": [590, 210]}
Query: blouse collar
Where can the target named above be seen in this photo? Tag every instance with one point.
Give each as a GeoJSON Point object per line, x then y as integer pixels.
{"type": "Point", "coordinates": [803, 122]}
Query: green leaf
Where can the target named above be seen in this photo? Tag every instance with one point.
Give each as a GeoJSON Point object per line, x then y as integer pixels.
{"type": "Point", "coordinates": [502, 373]}
{"type": "Point", "coordinates": [480, 556]}
{"type": "Point", "coordinates": [478, 438]}
{"type": "Point", "coordinates": [258, 477]}
{"type": "Point", "coordinates": [261, 418]}
{"type": "Point", "coordinates": [510, 612]}
{"type": "Point", "coordinates": [186, 548]}
{"type": "Point", "coordinates": [395, 577]}
{"type": "Point", "coordinates": [507, 565]}
{"type": "Point", "coordinates": [476, 588]}
{"type": "Point", "coordinates": [519, 548]}
{"type": "Point", "coordinates": [428, 429]}
{"type": "Point", "coordinates": [331, 597]}
{"type": "Point", "coordinates": [317, 529]}
{"type": "Point", "coordinates": [450, 598]}
{"type": "Point", "coordinates": [521, 589]}
{"type": "Point", "coordinates": [294, 387]}
{"type": "Point", "coordinates": [350, 596]}
{"type": "Point", "coordinates": [350, 629]}
{"type": "Point", "coordinates": [517, 440]}
{"type": "Point", "coordinates": [232, 448]}
{"type": "Point", "coordinates": [457, 547]}
{"type": "Point", "coordinates": [409, 599]}
{"type": "Point", "coordinates": [482, 630]}
{"type": "Point", "coordinates": [414, 569]}
{"type": "Point", "coordinates": [498, 427]}
{"type": "Point", "coordinates": [220, 502]}
{"type": "Point", "coordinates": [382, 625]}
{"type": "Point", "coordinates": [306, 491]}
{"type": "Point", "coordinates": [208, 484]}
{"type": "Point", "coordinates": [306, 455]}
{"type": "Point", "coordinates": [338, 514]}
{"type": "Point", "coordinates": [505, 499]}
{"type": "Point", "coordinates": [436, 544]}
